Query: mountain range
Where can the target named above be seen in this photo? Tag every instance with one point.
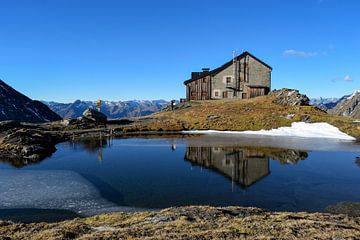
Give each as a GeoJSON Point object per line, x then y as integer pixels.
{"type": "Point", "coordinates": [112, 109]}
{"type": "Point", "coordinates": [348, 105]}
{"type": "Point", "coordinates": [324, 103]}
{"type": "Point", "coordinates": [16, 106]}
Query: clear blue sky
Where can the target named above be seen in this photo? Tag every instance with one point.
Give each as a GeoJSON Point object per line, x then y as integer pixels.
{"type": "Point", "coordinates": [119, 50]}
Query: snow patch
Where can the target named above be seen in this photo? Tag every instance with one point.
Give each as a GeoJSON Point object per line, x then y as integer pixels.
{"type": "Point", "coordinates": [353, 95]}
{"type": "Point", "coordinates": [297, 129]}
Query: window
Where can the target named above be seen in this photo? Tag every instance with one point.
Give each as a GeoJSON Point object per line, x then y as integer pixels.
{"type": "Point", "coordinates": [228, 79]}
{"type": "Point", "coordinates": [216, 94]}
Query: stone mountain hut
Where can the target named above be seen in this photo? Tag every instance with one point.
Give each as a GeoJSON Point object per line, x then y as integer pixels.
{"type": "Point", "coordinates": [245, 76]}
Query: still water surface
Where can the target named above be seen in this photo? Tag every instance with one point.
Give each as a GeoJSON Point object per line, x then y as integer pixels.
{"type": "Point", "coordinates": [105, 175]}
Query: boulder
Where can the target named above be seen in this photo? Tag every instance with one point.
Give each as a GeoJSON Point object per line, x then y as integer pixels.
{"type": "Point", "coordinates": [95, 116]}
{"type": "Point", "coordinates": [178, 106]}
{"type": "Point", "coordinates": [289, 97]}
{"type": "Point", "coordinates": [22, 146]}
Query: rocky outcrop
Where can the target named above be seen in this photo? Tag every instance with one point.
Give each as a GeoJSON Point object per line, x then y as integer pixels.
{"type": "Point", "coordinates": [16, 106]}
{"type": "Point", "coordinates": [95, 116]}
{"type": "Point", "coordinates": [23, 145]}
{"type": "Point", "coordinates": [348, 106]}
{"type": "Point", "coordinates": [289, 97]}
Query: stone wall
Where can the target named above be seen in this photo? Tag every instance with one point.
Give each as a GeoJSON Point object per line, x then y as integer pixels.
{"type": "Point", "coordinates": [250, 72]}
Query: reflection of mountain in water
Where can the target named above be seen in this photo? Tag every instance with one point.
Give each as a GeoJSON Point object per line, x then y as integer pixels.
{"type": "Point", "coordinates": [244, 166]}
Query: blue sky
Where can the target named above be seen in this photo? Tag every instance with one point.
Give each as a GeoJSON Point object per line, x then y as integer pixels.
{"type": "Point", "coordinates": [120, 50]}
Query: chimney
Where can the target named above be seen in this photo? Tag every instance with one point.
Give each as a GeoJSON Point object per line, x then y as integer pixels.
{"type": "Point", "coordinates": [195, 74]}
{"type": "Point", "coordinates": [205, 69]}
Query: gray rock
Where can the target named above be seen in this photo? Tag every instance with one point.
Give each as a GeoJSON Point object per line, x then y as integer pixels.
{"type": "Point", "coordinates": [290, 116]}
{"type": "Point", "coordinates": [158, 219]}
{"type": "Point", "coordinates": [94, 115]}
{"type": "Point", "coordinates": [289, 97]}
{"type": "Point", "coordinates": [212, 117]}
{"type": "Point", "coordinates": [305, 118]}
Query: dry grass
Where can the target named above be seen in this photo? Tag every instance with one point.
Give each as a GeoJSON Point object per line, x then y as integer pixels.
{"type": "Point", "coordinates": [239, 115]}
{"type": "Point", "coordinates": [193, 223]}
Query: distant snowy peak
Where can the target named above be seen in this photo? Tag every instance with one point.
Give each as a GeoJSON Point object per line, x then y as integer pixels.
{"type": "Point", "coordinates": [348, 105]}
{"type": "Point", "coordinates": [113, 109]}
{"type": "Point", "coordinates": [324, 103]}
{"type": "Point", "coordinates": [353, 94]}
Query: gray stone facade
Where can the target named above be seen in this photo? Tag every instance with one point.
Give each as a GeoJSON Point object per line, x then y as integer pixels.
{"type": "Point", "coordinates": [243, 77]}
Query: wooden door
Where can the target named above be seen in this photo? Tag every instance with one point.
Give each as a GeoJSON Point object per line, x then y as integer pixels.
{"type": "Point", "coordinates": [225, 94]}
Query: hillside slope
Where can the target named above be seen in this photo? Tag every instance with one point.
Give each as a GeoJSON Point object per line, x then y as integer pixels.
{"type": "Point", "coordinates": [16, 106]}
{"type": "Point", "coordinates": [239, 115]}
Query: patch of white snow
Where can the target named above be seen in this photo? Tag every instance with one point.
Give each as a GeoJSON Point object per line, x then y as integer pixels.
{"type": "Point", "coordinates": [297, 129]}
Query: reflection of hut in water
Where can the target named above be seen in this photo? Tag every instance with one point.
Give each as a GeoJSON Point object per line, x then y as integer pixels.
{"type": "Point", "coordinates": [243, 166]}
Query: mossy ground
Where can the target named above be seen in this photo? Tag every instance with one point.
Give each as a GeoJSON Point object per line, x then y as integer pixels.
{"type": "Point", "coordinates": [198, 222]}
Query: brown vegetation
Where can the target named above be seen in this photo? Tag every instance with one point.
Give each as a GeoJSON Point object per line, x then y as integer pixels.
{"type": "Point", "coordinates": [193, 223]}
{"type": "Point", "coordinates": [237, 115]}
